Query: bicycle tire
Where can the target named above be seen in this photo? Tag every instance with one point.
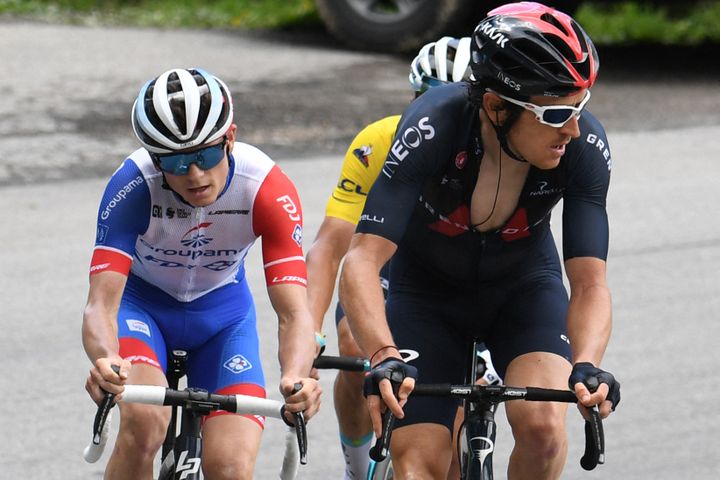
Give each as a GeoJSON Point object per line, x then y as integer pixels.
{"type": "Point", "coordinates": [358, 25]}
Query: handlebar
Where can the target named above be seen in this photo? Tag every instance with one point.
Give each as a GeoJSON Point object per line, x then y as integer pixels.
{"type": "Point", "coordinates": [495, 394]}
{"type": "Point", "coordinates": [350, 364]}
{"type": "Point", "coordinates": [242, 404]}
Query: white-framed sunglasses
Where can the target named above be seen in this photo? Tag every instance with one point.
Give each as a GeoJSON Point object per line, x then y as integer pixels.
{"type": "Point", "coordinates": [552, 115]}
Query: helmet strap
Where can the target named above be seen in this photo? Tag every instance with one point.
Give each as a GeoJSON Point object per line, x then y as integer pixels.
{"type": "Point", "coordinates": [501, 132]}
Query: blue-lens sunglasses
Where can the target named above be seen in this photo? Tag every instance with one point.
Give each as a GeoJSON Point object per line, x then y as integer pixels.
{"type": "Point", "coordinates": [179, 163]}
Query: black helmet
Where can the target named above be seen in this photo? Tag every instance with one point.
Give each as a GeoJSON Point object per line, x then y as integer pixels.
{"type": "Point", "coordinates": [526, 48]}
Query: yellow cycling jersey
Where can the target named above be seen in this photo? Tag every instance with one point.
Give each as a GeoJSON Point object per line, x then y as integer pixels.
{"type": "Point", "coordinates": [363, 161]}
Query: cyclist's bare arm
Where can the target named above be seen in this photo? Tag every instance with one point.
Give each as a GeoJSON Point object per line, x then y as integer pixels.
{"type": "Point", "coordinates": [296, 347]}
{"type": "Point", "coordinates": [362, 298]}
{"type": "Point", "coordinates": [323, 262]}
{"type": "Point", "coordinates": [589, 321]}
{"type": "Point", "coordinates": [99, 333]}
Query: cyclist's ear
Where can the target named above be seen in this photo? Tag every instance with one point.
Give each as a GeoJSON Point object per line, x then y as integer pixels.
{"type": "Point", "coordinates": [230, 136]}
{"type": "Point", "coordinates": [493, 106]}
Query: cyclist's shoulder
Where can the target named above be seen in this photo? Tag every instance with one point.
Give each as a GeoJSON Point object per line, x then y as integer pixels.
{"type": "Point", "coordinates": [381, 130]}
{"type": "Point", "coordinates": [368, 150]}
{"type": "Point", "coordinates": [136, 174]}
{"type": "Point", "coordinates": [592, 146]}
{"type": "Point", "coordinates": [451, 96]}
{"type": "Point", "coordinates": [446, 109]}
{"type": "Point", "coordinates": [250, 159]}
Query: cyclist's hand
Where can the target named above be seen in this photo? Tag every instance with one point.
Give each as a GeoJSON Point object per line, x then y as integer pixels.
{"type": "Point", "coordinates": [594, 386]}
{"type": "Point", "coordinates": [306, 400]}
{"type": "Point", "coordinates": [387, 377]}
{"type": "Point", "coordinates": [104, 379]}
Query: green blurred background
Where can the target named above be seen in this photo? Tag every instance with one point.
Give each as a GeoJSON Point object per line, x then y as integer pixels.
{"type": "Point", "coordinates": [608, 22]}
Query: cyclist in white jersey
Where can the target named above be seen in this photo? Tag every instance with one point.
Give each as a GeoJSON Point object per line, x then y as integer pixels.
{"type": "Point", "coordinates": [174, 226]}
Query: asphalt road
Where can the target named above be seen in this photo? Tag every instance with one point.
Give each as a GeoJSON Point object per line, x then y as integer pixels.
{"type": "Point", "coordinates": [64, 128]}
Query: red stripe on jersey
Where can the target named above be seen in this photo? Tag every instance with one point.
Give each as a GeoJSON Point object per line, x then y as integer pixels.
{"type": "Point", "coordinates": [104, 260]}
{"type": "Point", "coordinates": [277, 219]}
{"type": "Point", "coordinates": [454, 224]}
{"type": "Point", "coordinates": [249, 389]}
{"type": "Point", "coordinates": [289, 271]}
{"type": "Point", "coordinates": [517, 227]}
{"type": "Point", "coordinates": [137, 351]}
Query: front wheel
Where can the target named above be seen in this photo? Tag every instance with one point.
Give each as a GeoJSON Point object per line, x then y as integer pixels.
{"type": "Point", "coordinates": [396, 25]}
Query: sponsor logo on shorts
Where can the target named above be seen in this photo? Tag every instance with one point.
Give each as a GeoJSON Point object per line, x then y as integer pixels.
{"type": "Point", "coordinates": [138, 326]}
{"type": "Point", "coordinates": [237, 364]}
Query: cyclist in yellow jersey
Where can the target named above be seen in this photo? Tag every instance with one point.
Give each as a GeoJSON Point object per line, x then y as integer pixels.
{"type": "Point", "coordinates": [437, 63]}
{"type": "Point", "coordinates": [363, 161]}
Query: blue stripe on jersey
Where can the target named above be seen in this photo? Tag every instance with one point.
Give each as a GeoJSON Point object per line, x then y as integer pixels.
{"type": "Point", "coordinates": [124, 210]}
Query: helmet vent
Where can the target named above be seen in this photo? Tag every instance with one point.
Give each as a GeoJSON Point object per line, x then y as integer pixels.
{"type": "Point", "coordinates": [554, 22]}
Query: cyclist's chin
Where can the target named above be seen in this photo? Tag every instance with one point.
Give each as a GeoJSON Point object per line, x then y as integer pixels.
{"type": "Point", "coordinates": [545, 162]}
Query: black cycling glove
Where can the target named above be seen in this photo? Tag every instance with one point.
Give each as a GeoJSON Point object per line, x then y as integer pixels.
{"type": "Point", "coordinates": [592, 377]}
{"type": "Point", "coordinates": [393, 369]}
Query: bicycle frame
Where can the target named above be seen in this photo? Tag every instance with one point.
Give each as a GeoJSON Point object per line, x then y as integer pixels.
{"type": "Point", "coordinates": [170, 456]}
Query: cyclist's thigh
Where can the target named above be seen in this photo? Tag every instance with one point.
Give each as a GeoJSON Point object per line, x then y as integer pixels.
{"type": "Point", "coordinates": [144, 422]}
{"type": "Point", "coordinates": [420, 325]}
{"type": "Point", "coordinates": [141, 341]}
{"type": "Point", "coordinates": [538, 369]}
{"type": "Point", "coordinates": [533, 319]}
{"type": "Point", "coordinates": [229, 363]}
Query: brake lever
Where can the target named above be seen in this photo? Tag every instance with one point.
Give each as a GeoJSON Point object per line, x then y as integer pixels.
{"type": "Point", "coordinates": [103, 410]}
{"type": "Point", "coordinates": [594, 441]}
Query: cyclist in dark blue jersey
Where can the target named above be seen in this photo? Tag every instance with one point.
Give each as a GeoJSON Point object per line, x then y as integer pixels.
{"type": "Point", "coordinates": [463, 203]}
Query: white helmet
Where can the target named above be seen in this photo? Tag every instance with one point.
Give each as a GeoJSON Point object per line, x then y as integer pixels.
{"type": "Point", "coordinates": [446, 60]}
{"type": "Point", "coordinates": [182, 108]}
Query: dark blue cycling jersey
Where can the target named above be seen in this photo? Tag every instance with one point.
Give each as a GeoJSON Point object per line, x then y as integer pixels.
{"type": "Point", "coordinates": [451, 283]}
{"type": "Point", "coordinates": [421, 200]}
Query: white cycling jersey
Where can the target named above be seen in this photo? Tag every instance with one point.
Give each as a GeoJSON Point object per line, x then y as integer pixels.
{"type": "Point", "coordinates": [147, 229]}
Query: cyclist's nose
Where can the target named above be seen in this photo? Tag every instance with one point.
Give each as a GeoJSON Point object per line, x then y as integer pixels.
{"type": "Point", "coordinates": [572, 127]}
{"type": "Point", "coordinates": [194, 170]}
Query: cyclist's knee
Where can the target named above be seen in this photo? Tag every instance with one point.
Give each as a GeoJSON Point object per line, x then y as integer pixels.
{"type": "Point", "coordinates": [541, 431]}
{"type": "Point", "coordinates": [230, 447]}
{"type": "Point", "coordinates": [143, 428]}
{"type": "Point", "coordinates": [421, 451]}
{"type": "Point", "coordinates": [233, 468]}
